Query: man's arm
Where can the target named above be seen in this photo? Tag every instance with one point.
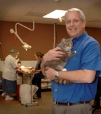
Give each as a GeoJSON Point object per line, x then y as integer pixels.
{"type": "Point", "coordinates": [78, 76]}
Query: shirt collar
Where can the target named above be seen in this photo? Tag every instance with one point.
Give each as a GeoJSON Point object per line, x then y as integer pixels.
{"type": "Point", "coordinates": [79, 37]}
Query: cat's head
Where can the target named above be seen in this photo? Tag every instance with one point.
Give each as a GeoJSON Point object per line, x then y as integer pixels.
{"type": "Point", "coordinates": [66, 44]}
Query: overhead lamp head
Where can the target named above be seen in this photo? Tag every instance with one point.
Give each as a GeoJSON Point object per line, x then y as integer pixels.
{"type": "Point", "coordinates": [26, 47]}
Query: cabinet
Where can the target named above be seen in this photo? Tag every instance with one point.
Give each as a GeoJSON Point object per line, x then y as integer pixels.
{"type": "Point", "coordinates": [45, 83]}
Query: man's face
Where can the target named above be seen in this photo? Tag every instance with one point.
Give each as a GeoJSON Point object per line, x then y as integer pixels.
{"type": "Point", "coordinates": [16, 56]}
{"type": "Point", "coordinates": [74, 25]}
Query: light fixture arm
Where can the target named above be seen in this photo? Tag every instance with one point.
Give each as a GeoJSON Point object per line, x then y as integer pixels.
{"type": "Point", "coordinates": [12, 31]}
{"type": "Point", "coordinates": [24, 26]}
{"type": "Point", "coordinates": [25, 45]}
{"type": "Point", "coordinates": [61, 19]}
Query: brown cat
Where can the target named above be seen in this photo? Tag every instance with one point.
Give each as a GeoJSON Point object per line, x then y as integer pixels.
{"type": "Point", "coordinates": [66, 46]}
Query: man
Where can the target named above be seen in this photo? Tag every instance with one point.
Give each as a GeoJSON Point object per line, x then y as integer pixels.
{"type": "Point", "coordinates": [9, 75]}
{"type": "Point", "coordinates": [83, 68]}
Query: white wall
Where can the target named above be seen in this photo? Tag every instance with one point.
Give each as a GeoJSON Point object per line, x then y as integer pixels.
{"type": "Point", "coordinates": [29, 63]}
{"type": "Point", "coordinates": [1, 65]}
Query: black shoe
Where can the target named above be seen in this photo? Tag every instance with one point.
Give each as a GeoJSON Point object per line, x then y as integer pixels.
{"type": "Point", "coordinates": [95, 106]}
{"type": "Point", "coordinates": [36, 97]}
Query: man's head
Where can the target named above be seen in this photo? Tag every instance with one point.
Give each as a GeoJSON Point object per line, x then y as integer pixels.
{"type": "Point", "coordinates": [14, 53]}
{"type": "Point", "coordinates": [75, 22]}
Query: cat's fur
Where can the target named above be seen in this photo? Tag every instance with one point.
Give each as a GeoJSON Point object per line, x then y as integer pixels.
{"type": "Point", "coordinates": [66, 46]}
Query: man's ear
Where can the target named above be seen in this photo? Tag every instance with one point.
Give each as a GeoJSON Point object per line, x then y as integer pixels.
{"type": "Point", "coordinates": [84, 24]}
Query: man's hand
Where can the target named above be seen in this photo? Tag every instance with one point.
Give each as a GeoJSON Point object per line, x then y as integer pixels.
{"type": "Point", "coordinates": [53, 54]}
{"type": "Point", "coordinates": [50, 73]}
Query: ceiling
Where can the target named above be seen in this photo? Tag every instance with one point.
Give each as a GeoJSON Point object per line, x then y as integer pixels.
{"type": "Point", "coordinates": [29, 10]}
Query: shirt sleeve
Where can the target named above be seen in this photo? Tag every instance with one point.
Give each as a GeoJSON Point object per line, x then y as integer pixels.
{"type": "Point", "coordinates": [91, 57]}
{"type": "Point", "coordinates": [14, 63]}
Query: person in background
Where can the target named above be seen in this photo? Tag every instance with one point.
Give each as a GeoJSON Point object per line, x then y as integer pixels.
{"type": "Point", "coordinates": [83, 68]}
{"type": "Point", "coordinates": [9, 75]}
{"type": "Point", "coordinates": [38, 74]}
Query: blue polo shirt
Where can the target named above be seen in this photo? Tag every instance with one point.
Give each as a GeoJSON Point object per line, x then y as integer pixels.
{"type": "Point", "coordinates": [88, 57]}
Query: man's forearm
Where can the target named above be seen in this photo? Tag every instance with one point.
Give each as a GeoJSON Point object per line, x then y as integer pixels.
{"type": "Point", "coordinates": [79, 76]}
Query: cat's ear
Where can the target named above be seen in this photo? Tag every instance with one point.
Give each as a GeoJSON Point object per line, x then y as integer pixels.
{"type": "Point", "coordinates": [63, 40]}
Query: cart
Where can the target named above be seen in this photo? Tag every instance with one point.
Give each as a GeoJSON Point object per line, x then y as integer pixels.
{"type": "Point", "coordinates": [26, 92]}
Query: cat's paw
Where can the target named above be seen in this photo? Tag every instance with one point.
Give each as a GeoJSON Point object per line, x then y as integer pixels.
{"type": "Point", "coordinates": [74, 51]}
{"type": "Point", "coordinates": [64, 69]}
